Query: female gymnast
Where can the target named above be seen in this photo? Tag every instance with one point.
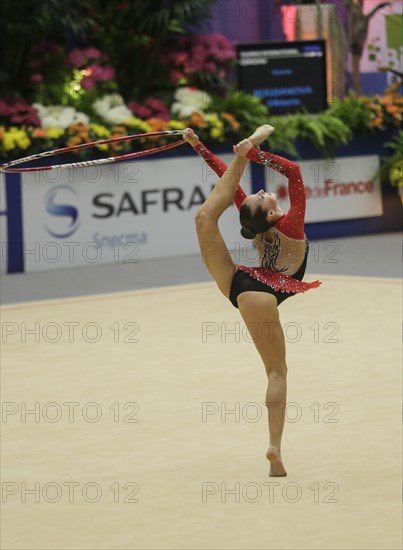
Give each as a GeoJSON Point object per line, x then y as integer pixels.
{"type": "Point", "coordinates": [283, 250]}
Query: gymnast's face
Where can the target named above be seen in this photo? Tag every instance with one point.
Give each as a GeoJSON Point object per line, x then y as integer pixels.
{"type": "Point", "coordinates": [267, 201]}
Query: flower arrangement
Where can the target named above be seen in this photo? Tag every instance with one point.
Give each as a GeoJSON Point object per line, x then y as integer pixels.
{"type": "Point", "coordinates": [215, 119]}
{"type": "Point", "coordinates": [17, 111]}
{"type": "Point", "coordinates": [92, 90]}
{"type": "Point", "coordinates": [57, 116]}
{"type": "Point", "coordinates": [199, 60]}
{"type": "Point", "coordinates": [188, 101]}
{"type": "Point", "coordinates": [364, 113]}
{"type": "Point", "coordinates": [91, 68]}
{"type": "Point", "coordinates": [152, 107]}
{"type": "Point", "coordinates": [112, 109]}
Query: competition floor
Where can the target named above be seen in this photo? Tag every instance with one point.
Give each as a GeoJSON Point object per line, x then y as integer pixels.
{"type": "Point", "coordinates": [135, 420]}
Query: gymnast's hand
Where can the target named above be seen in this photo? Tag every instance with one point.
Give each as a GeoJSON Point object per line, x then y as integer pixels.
{"type": "Point", "coordinates": [190, 136]}
{"type": "Point", "coordinates": [242, 147]}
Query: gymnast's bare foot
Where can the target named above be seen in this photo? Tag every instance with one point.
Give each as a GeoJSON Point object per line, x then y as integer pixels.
{"type": "Point", "coordinates": [276, 464]}
{"type": "Point", "coordinates": [261, 134]}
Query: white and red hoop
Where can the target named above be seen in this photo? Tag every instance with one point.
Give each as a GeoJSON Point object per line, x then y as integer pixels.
{"type": "Point", "coordinates": [8, 167]}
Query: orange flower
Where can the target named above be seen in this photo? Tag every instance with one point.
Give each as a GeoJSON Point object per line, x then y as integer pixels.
{"type": "Point", "coordinates": [115, 135]}
{"type": "Point", "coordinates": [158, 124]}
{"type": "Point", "coordinates": [376, 122]}
{"type": "Point", "coordinates": [197, 120]}
{"type": "Point", "coordinates": [79, 127]}
{"type": "Point", "coordinates": [40, 133]}
{"type": "Point", "coordinates": [232, 121]}
{"type": "Point", "coordinates": [117, 146]}
{"type": "Point", "coordinates": [1, 132]}
{"type": "Point", "coordinates": [392, 109]}
{"type": "Point", "coordinates": [387, 99]}
{"type": "Point", "coordinates": [119, 131]}
{"type": "Point", "coordinates": [74, 140]}
{"type": "Point", "coordinates": [84, 137]}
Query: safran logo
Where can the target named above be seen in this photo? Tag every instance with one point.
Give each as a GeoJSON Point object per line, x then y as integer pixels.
{"type": "Point", "coordinates": [57, 203]}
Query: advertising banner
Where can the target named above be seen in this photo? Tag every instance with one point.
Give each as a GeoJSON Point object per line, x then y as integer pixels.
{"type": "Point", "coordinates": [118, 213]}
{"type": "Point", "coordinates": [339, 189]}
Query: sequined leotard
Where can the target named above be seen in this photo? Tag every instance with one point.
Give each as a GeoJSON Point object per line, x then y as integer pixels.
{"type": "Point", "coordinates": [282, 261]}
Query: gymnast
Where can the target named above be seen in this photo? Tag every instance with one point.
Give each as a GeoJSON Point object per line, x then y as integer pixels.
{"type": "Point", "coordinates": [283, 250]}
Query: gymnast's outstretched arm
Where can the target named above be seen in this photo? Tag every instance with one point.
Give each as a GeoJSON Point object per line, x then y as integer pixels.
{"type": "Point", "coordinates": [293, 223]}
{"type": "Point", "coordinates": [216, 164]}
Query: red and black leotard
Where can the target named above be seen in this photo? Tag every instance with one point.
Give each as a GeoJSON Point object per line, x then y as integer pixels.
{"type": "Point", "coordinates": [283, 259]}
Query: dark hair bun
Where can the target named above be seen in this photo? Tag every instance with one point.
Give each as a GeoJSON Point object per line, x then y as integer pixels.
{"type": "Point", "coordinates": [248, 233]}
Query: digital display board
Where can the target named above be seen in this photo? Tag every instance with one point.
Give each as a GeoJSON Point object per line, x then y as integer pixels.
{"type": "Point", "coordinates": [287, 76]}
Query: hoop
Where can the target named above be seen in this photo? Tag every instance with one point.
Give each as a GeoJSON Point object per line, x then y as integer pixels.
{"type": "Point", "coordinates": [8, 166]}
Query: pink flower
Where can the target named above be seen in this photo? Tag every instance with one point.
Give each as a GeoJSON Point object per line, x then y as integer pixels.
{"type": "Point", "coordinates": [17, 119]}
{"type": "Point", "coordinates": [159, 107]}
{"type": "Point", "coordinates": [180, 57]}
{"type": "Point", "coordinates": [100, 73]}
{"type": "Point", "coordinates": [77, 58]}
{"type": "Point", "coordinates": [92, 53]}
{"type": "Point", "coordinates": [199, 51]}
{"type": "Point", "coordinates": [19, 106]}
{"type": "Point", "coordinates": [221, 41]}
{"type": "Point", "coordinates": [5, 109]}
{"type": "Point", "coordinates": [88, 82]}
{"type": "Point", "coordinates": [139, 110]}
{"type": "Point", "coordinates": [36, 77]}
{"type": "Point", "coordinates": [108, 73]}
{"type": "Point", "coordinates": [203, 40]}
{"type": "Point", "coordinates": [32, 120]}
{"type": "Point", "coordinates": [175, 75]}
{"type": "Point", "coordinates": [19, 112]}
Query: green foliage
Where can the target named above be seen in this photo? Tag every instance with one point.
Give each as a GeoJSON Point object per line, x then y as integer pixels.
{"type": "Point", "coordinates": [248, 110]}
{"type": "Point", "coordinates": [135, 34]}
{"type": "Point", "coordinates": [29, 22]}
{"type": "Point", "coordinates": [131, 32]}
{"type": "Point", "coordinates": [285, 136]}
{"type": "Point", "coordinates": [392, 167]}
{"type": "Point", "coordinates": [325, 131]}
{"type": "Point", "coordinates": [352, 112]}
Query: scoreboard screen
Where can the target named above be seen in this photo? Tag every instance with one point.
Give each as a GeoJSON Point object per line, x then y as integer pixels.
{"type": "Point", "coordinates": [287, 76]}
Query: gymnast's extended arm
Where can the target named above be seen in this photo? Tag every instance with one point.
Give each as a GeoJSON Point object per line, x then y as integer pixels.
{"type": "Point", "coordinates": [293, 223]}
{"type": "Point", "coordinates": [214, 162]}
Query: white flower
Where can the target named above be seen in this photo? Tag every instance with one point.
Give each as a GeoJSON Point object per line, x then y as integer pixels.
{"type": "Point", "coordinates": [57, 116]}
{"type": "Point", "coordinates": [112, 109]}
{"type": "Point", "coordinates": [189, 101]}
{"type": "Point", "coordinates": [184, 111]}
